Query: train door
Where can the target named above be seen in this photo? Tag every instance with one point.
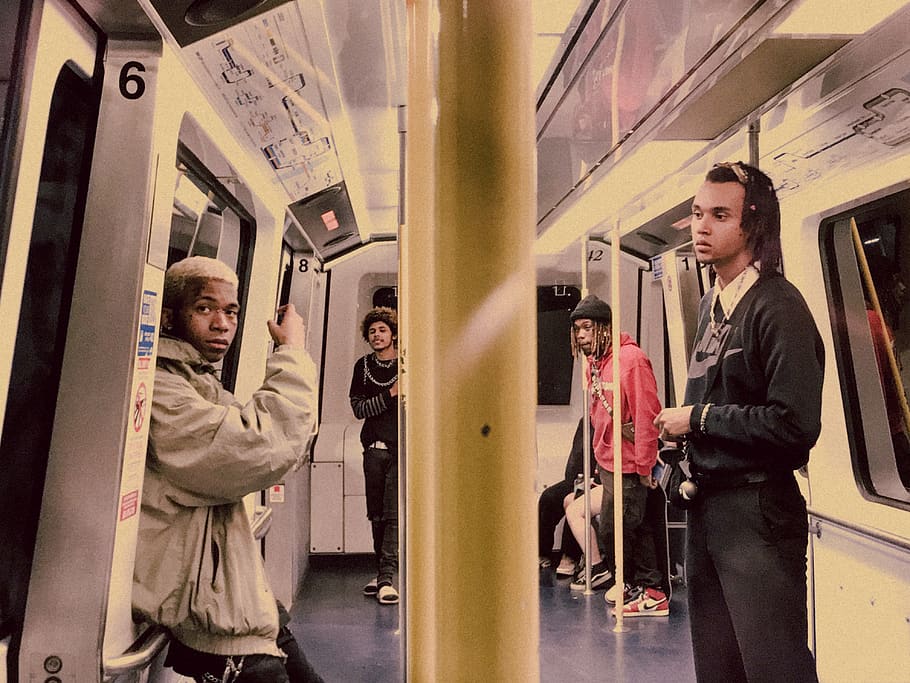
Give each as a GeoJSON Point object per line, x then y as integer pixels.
{"type": "Point", "coordinates": [682, 286]}
{"type": "Point", "coordinates": [39, 276]}
{"type": "Point", "coordinates": [286, 549]}
{"type": "Point", "coordinates": [683, 283]}
{"type": "Point", "coordinates": [74, 278]}
{"type": "Point", "coordinates": [348, 290]}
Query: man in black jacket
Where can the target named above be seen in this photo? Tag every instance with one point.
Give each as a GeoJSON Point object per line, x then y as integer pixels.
{"type": "Point", "coordinates": [752, 412]}
{"type": "Point", "coordinates": [374, 399]}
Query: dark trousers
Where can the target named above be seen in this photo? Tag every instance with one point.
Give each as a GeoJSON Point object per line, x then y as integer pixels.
{"type": "Point", "coordinates": [550, 511]}
{"type": "Point", "coordinates": [380, 474]}
{"type": "Point", "coordinates": [746, 567]}
{"type": "Point", "coordinates": [203, 667]}
{"type": "Point", "coordinates": [640, 567]}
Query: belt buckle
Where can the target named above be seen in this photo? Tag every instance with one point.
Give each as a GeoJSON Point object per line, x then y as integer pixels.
{"type": "Point", "coordinates": [381, 445]}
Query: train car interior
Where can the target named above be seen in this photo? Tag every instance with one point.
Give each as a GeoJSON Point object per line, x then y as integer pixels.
{"type": "Point", "coordinates": [480, 167]}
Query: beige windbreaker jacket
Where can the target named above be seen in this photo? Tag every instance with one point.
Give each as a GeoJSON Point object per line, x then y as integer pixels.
{"type": "Point", "coordinates": [198, 569]}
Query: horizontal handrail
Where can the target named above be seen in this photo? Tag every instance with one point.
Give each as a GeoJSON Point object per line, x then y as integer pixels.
{"type": "Point", "coordinates": [140, 654]}
{"type": "Point", "coordinates": [866, 532]}
{"type": "Point", "coordinates": [261, 523]}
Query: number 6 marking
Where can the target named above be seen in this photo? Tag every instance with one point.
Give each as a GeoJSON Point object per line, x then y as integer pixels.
{"type": "Point", "coordinates": [127, 79]}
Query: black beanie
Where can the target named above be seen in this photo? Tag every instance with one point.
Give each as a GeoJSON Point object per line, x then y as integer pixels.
{"type": "Point", "coordinates": [592, 308]}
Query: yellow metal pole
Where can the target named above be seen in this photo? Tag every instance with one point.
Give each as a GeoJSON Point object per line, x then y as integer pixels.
{"type": "Point", "coordinates": [417, 294]}
{"type": "Point", "coordinates": [472, 611]}
{"type": "Point", "coordinates": [617, 425]}
{"type": "Point", "coordinates": [614, 298]}
{"type": "Point", "coordinates": [586, 430]}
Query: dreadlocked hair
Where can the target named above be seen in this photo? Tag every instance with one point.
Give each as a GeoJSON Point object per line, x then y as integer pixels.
{"type": "Point", "coordinates": [760, 216]}
{"type": "Point", "coordinates": [602, 332]}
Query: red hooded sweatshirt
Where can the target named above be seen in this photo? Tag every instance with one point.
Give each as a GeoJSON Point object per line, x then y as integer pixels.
{"type": "Point", "coordinates": [639, 404]}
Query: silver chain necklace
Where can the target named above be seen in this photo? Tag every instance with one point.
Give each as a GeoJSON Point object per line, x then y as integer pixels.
{"type": "Point", "coordinates": [368, 376]}
{"type": "Point", "coordinates": [384, 363]}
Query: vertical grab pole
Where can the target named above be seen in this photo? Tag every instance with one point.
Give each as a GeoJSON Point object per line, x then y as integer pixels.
{"type": "Point", "coordinates": [754, 133]}
{"type": "Point", "coordinates": [416, 281]}
{"type": "Point", "coordinates": [586, 428]}
{"type": "Point", "coordinates": [472, 609]}
{"type": "Point", "coordinates": [614, 299]}
{"type": "Point", "coordinates": [403, 316]}
{"type": "Point", "coordinates": [617, 428]}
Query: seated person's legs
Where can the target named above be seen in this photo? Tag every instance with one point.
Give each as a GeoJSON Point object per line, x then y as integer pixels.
{"type": "Point", "coordinates": [575, 518]}
{"type": "Point", "coordinates": [549, 512]}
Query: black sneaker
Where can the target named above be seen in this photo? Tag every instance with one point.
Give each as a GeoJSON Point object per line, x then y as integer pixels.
{"type": "Point", "coordinates": [600, 576]}
{"type": "Point", "coordinates": [628, 595]}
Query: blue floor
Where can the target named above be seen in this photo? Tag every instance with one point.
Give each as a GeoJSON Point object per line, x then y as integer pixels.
{"type": "Point", "coordinates": [351, 638]}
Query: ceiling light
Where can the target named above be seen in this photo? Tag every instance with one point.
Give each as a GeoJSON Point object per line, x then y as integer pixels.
{"type": "Point", "coordinates": [837, 17]}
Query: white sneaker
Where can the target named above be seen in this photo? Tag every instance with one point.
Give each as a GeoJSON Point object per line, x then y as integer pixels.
{"type": "Point", "coordinates": [566, 566]}
{"type": "Point", "coordinates": [387, 595]}
{"type": "Point", "coordinates": [371, 588]}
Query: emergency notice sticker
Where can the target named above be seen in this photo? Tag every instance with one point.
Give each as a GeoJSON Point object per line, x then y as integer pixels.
{"type": "Point", "coordinates": [129, 504]}
{"type": "Point", "coordinates": [147, 325]}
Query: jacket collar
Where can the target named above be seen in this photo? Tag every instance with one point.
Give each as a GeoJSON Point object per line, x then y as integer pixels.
{"type": "Point", "coordinates": [174, 349]}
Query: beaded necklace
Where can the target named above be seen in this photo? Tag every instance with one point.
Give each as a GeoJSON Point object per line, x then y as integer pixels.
{"type": "Point", "coordinates": [369, 377]}
{"type": "Point", "coordinates": [598, 388]}
{"type": "Point", "coordinates": [628, 428]}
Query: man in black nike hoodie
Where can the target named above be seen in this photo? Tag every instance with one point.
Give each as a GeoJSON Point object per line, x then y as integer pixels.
{"type": "Point", "coordinates": [752, 412]}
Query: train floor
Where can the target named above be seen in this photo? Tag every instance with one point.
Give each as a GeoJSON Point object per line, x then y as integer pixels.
{"type": "Point", "coordinates": [350, 638]}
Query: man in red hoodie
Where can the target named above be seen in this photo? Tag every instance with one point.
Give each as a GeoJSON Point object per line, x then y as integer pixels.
{"type": "Point", "coordinates": [592, 336]}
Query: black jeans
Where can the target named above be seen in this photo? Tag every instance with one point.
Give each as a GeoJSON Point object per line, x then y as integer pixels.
{"type": "Point", "coordinates": [550, 511]}
{"type": "Point", "coordinates": [203, 667]}
{"type": "Point", "coordinates": [640, 567]}
{"type": "Point", "coordinates": [746, 565]}
{"type": "Point", "coordinates": [380, 473]}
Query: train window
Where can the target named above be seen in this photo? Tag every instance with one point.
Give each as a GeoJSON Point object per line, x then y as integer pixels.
{"type": "Point", "coordinates": [207, 219]}
{"type": "Point", "coordinates": [867, 268]}
{"type": "Point", "coordinates": [386, 296]}
{"type": "Point", "coordinates": [554, 349]}
{"type": "Point", "coordinates": [200, 226]}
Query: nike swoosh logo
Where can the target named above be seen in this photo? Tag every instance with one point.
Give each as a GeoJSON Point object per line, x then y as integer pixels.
{"type": "Point", "coordinates": [705, 355]}
{"type": "Point", "coordinates": [699, 368]}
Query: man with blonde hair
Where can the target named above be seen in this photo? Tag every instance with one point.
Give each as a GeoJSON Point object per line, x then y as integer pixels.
{"type": "Point", "coordinates": [198, 568]}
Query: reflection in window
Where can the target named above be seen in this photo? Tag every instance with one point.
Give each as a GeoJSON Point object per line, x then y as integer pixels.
{"type": "Point", "coordinates": [554, 349]}
{"type": "Point", "coordinates": [201, 225]}
{"type": "Point", "coordinates": [879, 261]}
{"type": "Point", "coordinates": [208, 219]}
{"type": "Point", "coordinates": [867, 262]}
